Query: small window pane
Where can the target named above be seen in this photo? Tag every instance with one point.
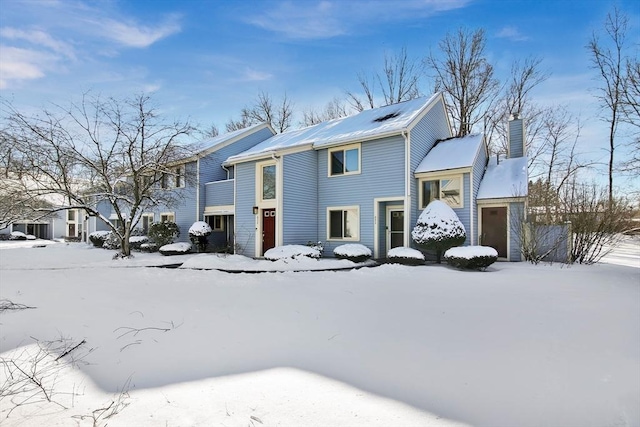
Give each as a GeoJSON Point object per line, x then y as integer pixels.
{"type": "Point", "coordinates": [337, 163]}
{"type": "Point", "coordinates": [352, 160]}
{"type": "Point", "coordinates": [350, 223]}
{"type": "Point", "coordinates": [430, 192]}
{"type": "Point", "coordinates": [269, 182]}
{"type": "Point", "coordinates": [335, 224]}
{"type": "Point", "coordinates": [450, 191]}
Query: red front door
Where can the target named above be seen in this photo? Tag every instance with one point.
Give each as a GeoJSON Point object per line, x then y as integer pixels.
{"type": "Point", "coordinates": [268, 229]}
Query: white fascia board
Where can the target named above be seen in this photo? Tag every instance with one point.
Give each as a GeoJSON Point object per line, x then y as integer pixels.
{"type": "Point", "coordinates": [442, 172]}
{"type": "Point", "coordinates": [266, 155]}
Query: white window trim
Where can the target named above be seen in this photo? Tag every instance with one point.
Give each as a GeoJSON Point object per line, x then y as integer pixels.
{"type": "Point", "coordinates": [440, 177]}
{"type": "Point", "coordinates": [147, 215]}
{"type": "Point", "coordinates": [168, 214]}
{"type": "Point", "coordinates": [356, 237]}
{"type": "Point", "coordinates": [265, 203]}
{"type": "Point", "coordinates": [344, 148]}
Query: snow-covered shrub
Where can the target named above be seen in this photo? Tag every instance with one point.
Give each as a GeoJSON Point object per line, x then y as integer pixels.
{"type": "Point", "coordinates": [163, 233]}
{"type": "Point", "coordinates": [291, 251]}
{"type": "Point", "coordinates": [406, 256]}
{"type": "Point", "coordinates": [112, 241]}
{"type": "Point", "coordinates": [31, 237]}
{"type": "Point", "coordinates": [471, 257]}
{"type": "Point", "coordinates": [180, 248]}
{"type": "Point", "coordinates": [438, 229]}
{"type": "Point", "coordinates": [135, 242]}
{"type": "Point", "coordinates": [199, 233]}
{"type": "Point", "coordinates": [149, 247]}
{"type": "Point", "coordinates": [17, 235]}
{"type": "Point", "coordinates": [353, 252]}
{"type": "Point", "coordinates": [98, 238]}
{"type": "Point", "coordinates": [316, 245]}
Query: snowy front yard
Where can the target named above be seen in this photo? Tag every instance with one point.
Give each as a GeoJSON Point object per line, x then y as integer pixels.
{"type": "Point", "coordinates": [518, 345]}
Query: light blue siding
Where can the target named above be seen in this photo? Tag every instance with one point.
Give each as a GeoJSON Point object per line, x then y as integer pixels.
{"type": "Point", "coordinates": [433, 126]}
{"type": "Point", "coordinates": [219, 193]}
{"type": "Point", "coordinates": [381, 175]}
{"type": "Point", "coordinates": [516, 138]}
{"type": "Point", "coordinates": [478, 170]}
{"type": "Point", "coordinates": [245, 220]}
{"type": "Point", "coordinates": [300, 198]}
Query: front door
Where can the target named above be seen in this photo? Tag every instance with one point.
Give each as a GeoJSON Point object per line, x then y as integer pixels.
{"type": "Point", "coordinates": [71, 232]}
{"type": "Point", "coordinates": [494, 229]}
{"type": "Point", "coordinates": [268, 229]}
{"type": "Point", "coordinates": [395, 228]}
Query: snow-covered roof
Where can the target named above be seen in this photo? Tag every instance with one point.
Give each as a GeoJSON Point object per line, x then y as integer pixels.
{"type": "Point", "coordinates": [452, 153]}
{"type": "Point", "coordinates": [217, 142]}
{"type": "Point", "coordinates": [505, 179]}
{"type": "Point", "coordinates": [368, 124]}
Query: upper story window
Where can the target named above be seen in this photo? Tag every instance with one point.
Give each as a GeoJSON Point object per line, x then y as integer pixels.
{"type": "Point", "coordinates": [446, 189]}
{"type": "Point", "coordinates": [178, 176]}
{"type": "Point", "coordinates": [269, 182]}
{"type": "Point", "coordinates": [71, 215]}
{"type": "Point", "coordinates": [344, 160]}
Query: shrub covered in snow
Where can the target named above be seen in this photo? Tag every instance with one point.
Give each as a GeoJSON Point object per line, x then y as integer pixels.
{"type": "Point", "coordinates": [98, 238]}
{"type": "Point", "coordinates": [353, 252]}
{"type": "Point", "coordinates": [438, 229]}
{"type": "Point", "coordinates": [406, 256]}
{"type": "Point", "coordinates": [149, 247]}
{"type": "Point", "coordinates": [112, 241]}
{"type": "Point", "coordinates": [471, 257]}
{"type": "Point", "coordinates": [135, 242]}
{"type": "Point", "coordinates": [163, 233]}
{"type": "Point", "coordinates": [199, 233]}
{"type": "Point", "coordinates": [17, 235]}
{"type": "Point", "coordinates": [291, 251]}
{"type": "Point", "coordinates": [180, 248]}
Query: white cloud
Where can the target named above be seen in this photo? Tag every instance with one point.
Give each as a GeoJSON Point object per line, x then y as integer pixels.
{"type": "Point", "coordinates": [22, 64]}
{"type": "Point", "coordinates": [512, 33]}
{"type": "Point", "coordinates": [254, 75]}
{"type": "Point", "coordinates": [326, 19]}
{"type": "Point", "coordinates": [39, 38]}
{"type": "Point", "coordinates": [132, 34]}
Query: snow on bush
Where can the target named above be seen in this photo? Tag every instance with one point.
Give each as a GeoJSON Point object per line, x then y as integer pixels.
{"type": "Point", "coordinates": [176, 248]}
{"type": "Point", "coordinates": [291, 251]}
{"type": "Point", "coordinates": [200, 228]}
{"type": "Point", "coordinates": [353, 252]}
{"type": "Point", "coordinates": [407, 256]}
{"type": "Point", "coordinates": [163, 233]}
{"type": "Point", "coordinates": [471, 257]}
{"type": "Point", "coordinates": [136, 242]}
{"type": "Point", "coordinates": [438, 229]}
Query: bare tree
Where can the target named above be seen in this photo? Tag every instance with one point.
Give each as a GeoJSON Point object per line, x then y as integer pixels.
{"type": "Point", "coordinates": [631, 114]}
{"type": "Point", "coordinates": [101, 151]}
{"type": "Point", "coordinates": [516, 98]}
{"type": "Point", "coordinates": [334, 109]}
{"type": "Point", "coordinates": [399, 81]}
{"type": "Point", "coordinates": [608, 59]}
{"type": "Point", "coordinates": [464, 74]}
{"type": "Point", "coordinates": [209, 132]}
{"type": "Point", "coordinates": [265, 110]}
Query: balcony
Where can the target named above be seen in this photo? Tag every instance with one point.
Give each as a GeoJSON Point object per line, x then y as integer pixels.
{"type": "Point", "coordinates": [219, 194]}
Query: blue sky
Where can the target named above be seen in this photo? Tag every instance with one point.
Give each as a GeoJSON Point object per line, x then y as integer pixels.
{"type": "Point", "coordinates": [205, 60]}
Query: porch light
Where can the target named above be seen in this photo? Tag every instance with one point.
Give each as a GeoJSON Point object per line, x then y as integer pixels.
{"type": "Point", "coordinates": [255, 210]}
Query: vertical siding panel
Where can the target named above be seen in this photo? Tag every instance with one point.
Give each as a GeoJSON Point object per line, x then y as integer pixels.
{"type": "Point", "coordinates": [516, 209]}
{"type": "Point", "coordinates": [245, 220]}
{"type": "Point", "coordinates": [300, 198]}
{"type": "Point", "coordinates": [433, 126]}
{"type": "Point", "coordinates": [381, 175]}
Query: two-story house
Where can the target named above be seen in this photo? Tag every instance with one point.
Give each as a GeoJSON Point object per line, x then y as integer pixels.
{"type": "Point", "coordinates": [366, 178]}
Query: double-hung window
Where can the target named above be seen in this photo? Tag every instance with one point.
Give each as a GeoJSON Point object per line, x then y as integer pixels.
{"type": "Point", "coordinates": [344, 160]}
{"type": "Point", "coordinates": [343, 223]}
{"type": "Point", "coordinates": [446, 189]}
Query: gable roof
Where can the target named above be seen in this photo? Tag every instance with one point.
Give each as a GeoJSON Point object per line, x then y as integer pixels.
{"type": "Point", "coordinates": [507, 179]}
{"type": "Point", "coordinates": [221, 141]}
{"type": "Point", "coordinates": [366, 125]}
{"type": "Point", "coordinates": [452, 153]}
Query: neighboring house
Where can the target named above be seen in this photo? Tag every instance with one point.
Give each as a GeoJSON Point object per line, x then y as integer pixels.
{"type": "Point", "coordinates": [366, 178]}
{"type": "Point", "coordinates": [203, 187]}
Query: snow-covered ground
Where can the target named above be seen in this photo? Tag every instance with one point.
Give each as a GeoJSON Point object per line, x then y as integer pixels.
{"type": "Point", "coordinates": [518, 345]}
